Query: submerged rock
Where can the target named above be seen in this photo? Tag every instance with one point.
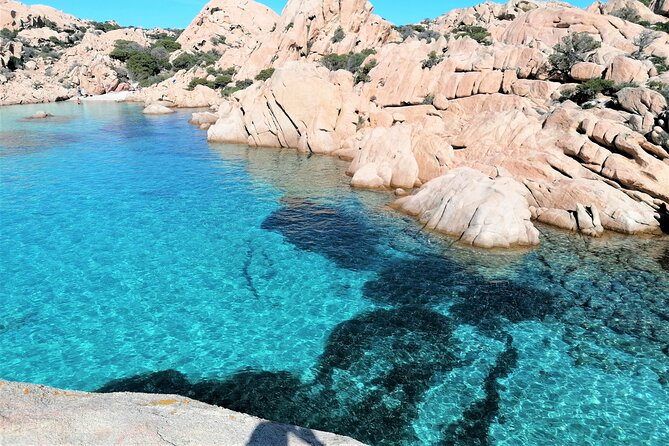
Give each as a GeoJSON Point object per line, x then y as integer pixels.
{"type": "Point", "coordinates": [157, 109]}
{"type": "Point", "coordinates": [39, 115]}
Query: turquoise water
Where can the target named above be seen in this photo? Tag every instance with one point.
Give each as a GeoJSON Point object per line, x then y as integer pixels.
{"type": "Point", "coordinates": [135, 256]}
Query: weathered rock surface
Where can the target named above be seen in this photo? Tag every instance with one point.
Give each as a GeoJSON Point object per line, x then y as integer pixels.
{"type": "Point", "coordinates": [15, 15]}
{"type": "Point", "coordinates": [478, 210]}
{"type": "Point", "coordinates": [307, 28]}
{"type": "Point", "coordinates": [302, 106]}
{"type": "Point", "coordinates": [234, 28]}
{"type": "Point", "coordinates": [39, 415]}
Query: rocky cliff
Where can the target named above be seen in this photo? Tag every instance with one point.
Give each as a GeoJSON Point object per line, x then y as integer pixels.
{"type": "Point", "coordinates": [554, 113]}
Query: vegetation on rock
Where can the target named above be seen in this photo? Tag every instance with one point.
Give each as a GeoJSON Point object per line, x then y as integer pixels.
{"type": "Point", "coordinates": [433, 59]}
{"type": "Point", "coordinates": [589, 90]}
{"type": "Point", "coordinates": [265, 74]}
{"type": "Point", "coordinates": [186, 61]}
{"type": "Point", "coordinates": [478, 33]}
{"type": "Point", "coordinates": [573, 48]}
{"type": "Point", "coordinates": [339, 35]}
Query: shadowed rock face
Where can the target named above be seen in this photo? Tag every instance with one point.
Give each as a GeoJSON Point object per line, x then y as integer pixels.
{"type": "Point", "coordinates": [331, 231]}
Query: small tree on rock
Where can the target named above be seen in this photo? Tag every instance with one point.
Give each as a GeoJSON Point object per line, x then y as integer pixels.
{"type": "Point", "coordinates": [573, 48]}
{"type": "Point", "coordinates": [643, 41]}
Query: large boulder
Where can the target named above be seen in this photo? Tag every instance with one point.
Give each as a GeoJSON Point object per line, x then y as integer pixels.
{"type": "Point", "coordinates": [584, 71]}
{"type": "Point", "coordinates": [641, 101]}
{"type": "Point", "coordinates": [229, 127]}
{"type": "Point", "coordinates": [476, 209]}
{"type": "Point", "coordinates": [625, 69]}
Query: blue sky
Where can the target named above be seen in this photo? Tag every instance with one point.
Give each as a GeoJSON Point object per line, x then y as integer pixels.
{"type": "Point", "coordinates": [178, 13]}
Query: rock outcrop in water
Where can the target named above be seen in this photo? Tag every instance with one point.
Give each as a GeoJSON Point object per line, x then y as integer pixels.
{"type": "Point", "coordinates": [569, 103]}
{"type": "Point", "coordinates": [34, 414]}
{"type": "Point", "coordinates": [478, 210]}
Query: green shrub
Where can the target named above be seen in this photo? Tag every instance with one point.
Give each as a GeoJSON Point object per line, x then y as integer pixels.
{"type": "Point", "coordinates": [660, 87]}
{"type": "Point", "coordinates": [142, 66]}
{"type": "Point", "coordinates": [200, 81]}
{"type": "Point", "coordinates": [589, 90]}
{"type": "Point", "coordinates": [660, 64]}
{"type": "Point", "coordinates": [664, 27]}
{"type": "Point", "coordinates": [573, 48]}
{"type": "Point", "coordinates": [154, 79]}
{"type": "Point", "coordinates": [433, 59]}
{"type": "Point", "coordinates": [56, 41]}
{"type": "Point", "coordinates": [350, 62]}
{"type": "Point", "coordinates": [169, 43]}
{"type": "Point", "coordinates": [239, 85]}
{"type": "Point", "coordinates": [627, 13]}
{"type": "Point", "coordinates": [6, 33]}
{"type": "Point", "coordinates": [335, 62]}
{"type": "Point", "coordinates": [362, 75]}
{"type": "Point", "coordinates": [428, 100]}
{"type": "Point", "coordinates": [216, 72]}
{"type": "Point", "coordinates": [339, 35]}
{"type": "Point", "coordinates": [244, 83]}
{"type": "Point", "coordinates": [222, 81]}
{"type": "Point", "coordinates": [218, 40]}
{"type": "Point", "coordinates": [265, 74]}
{"type": "Point", "coordinates": [478, 33]}
{"type": "Point", "coordinates": [124, 50]}
{"type": "Point", "coordinates": [186, 61]}
{"type": "Point", "coordinates": [419, 31]}
{"type": "Point", "coordinates": [106, 26]}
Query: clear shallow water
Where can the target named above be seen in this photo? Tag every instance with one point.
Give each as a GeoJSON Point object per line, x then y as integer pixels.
{"type": "Point", "coordinates": [135, 256]}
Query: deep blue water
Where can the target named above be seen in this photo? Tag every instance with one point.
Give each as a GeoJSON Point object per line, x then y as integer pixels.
{"type": "Point", "coordinates": [135, 256]}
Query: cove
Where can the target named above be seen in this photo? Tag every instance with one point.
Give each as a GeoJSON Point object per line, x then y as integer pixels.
{"type": "Point", "coordinates": [135, 256]}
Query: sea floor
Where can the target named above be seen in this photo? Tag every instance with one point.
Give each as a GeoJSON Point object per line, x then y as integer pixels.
{"type": "Point", "coordinates": [136, 256]}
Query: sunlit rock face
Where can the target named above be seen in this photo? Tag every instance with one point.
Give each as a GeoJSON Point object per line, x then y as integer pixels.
{"type": "Point", "coordinates": [232, 28]}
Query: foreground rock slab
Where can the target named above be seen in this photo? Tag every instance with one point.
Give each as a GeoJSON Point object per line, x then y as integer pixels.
{"type": "Point", "coordinates": [39, 415]}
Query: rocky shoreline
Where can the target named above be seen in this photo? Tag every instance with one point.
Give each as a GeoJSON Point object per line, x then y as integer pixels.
{"type": "Point", "coordinates": [32, 414]}
{"type": "Point", "coordinates": [542, 111]}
